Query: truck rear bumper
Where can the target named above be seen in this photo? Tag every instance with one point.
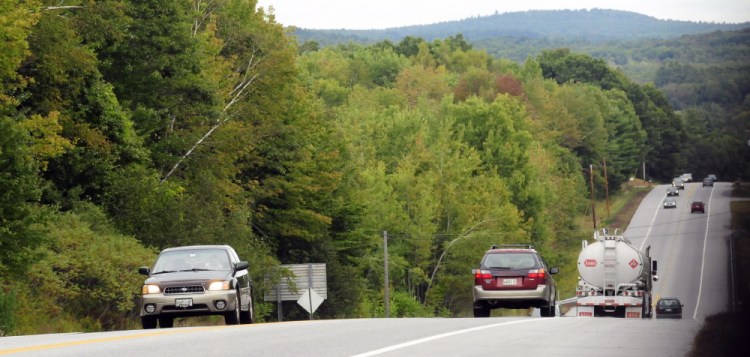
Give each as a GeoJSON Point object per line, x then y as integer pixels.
{"type": "Point", "coordinates": [607, 301]}
{"type": "Point", "coordinates": [619, 306]}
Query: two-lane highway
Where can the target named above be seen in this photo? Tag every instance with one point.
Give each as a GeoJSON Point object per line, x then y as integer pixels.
{"type": "Point", "coordinates": [691, 250]}
{"type": "Point", "coordinates": [381, 337]}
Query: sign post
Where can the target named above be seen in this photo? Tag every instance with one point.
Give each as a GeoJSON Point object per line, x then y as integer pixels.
{"type": "Point", "coordinates": [307, 286]}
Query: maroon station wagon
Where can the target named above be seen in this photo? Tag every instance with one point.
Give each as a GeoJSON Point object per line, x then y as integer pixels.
{"type": "Point", "coordinates": [513, 277]}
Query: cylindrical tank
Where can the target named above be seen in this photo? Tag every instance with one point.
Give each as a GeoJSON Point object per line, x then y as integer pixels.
{"type": "Point", "coordinates": [628, 264]}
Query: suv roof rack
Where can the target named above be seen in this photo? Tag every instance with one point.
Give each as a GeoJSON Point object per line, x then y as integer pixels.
{"type": "Point", "coordinates": [510, 246]}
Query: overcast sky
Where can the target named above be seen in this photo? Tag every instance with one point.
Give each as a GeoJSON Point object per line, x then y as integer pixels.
{"type": "Point", "coordinates": [378, 14]}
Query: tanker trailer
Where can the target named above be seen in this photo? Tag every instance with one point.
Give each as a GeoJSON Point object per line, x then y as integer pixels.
{"type": "Point", "coordinates": [614, 278]}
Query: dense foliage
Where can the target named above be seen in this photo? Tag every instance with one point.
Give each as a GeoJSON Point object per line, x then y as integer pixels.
{"type": "Point", "coordinates": [702, 69]}
{"type": "Point", "coordinates": [131, 126]}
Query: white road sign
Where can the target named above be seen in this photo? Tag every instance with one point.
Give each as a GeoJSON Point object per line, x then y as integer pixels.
{"type": "Point", "coordinates": [310, 300]}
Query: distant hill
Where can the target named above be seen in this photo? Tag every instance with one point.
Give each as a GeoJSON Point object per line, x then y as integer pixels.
{"type": "Point", "coordinates": [596, 25]}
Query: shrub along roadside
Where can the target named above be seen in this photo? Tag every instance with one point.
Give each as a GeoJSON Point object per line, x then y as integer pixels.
{"type": "Point", "coordinates": [82, 277]}
{"type": "Point", "coordinates": [7, 306]}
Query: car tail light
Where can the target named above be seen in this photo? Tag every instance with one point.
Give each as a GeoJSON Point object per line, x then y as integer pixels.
{"type": "Point", "coordinates": [536, 274]}
{"type": "Point", "coordinates": [480, 275]}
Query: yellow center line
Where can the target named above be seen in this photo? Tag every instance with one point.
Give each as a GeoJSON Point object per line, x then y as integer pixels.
{"type": "Point", "coordinates": [103, 339]}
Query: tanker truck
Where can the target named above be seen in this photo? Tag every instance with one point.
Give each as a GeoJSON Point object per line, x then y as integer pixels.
{"type": "Point", "coordinates": [614, 278]}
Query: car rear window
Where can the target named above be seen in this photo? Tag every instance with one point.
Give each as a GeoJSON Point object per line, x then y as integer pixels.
{"type": "Point", "coordinates": [668, 303]}
{"type": "Point", "coordinates": [509, 261]}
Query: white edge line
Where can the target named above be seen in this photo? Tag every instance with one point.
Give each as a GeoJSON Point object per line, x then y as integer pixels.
{"type": "Point", "coordinates": [651, 224]}
{"type": "Point", "coordinates": [442, 335]}
{"type": "Point", "coordinates": [731, 271]}
{"type": "Point", "coordinates": [703, 259]}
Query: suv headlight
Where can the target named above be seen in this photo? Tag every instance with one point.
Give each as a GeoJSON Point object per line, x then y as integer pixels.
{"type": "Point", "coordinates": [151, 289]}
{"type": "Point", "coordinates": [219, 285]}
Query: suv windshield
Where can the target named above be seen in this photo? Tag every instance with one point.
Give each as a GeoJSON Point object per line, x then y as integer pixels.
{"type": "Point", "coordinates": [192, 260]}
{"type": "Point", "coordinates": [509, 261]}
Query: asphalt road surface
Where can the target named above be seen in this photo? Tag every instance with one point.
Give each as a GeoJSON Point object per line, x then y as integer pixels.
{"type": "Point", "coordinates": [693, 256]}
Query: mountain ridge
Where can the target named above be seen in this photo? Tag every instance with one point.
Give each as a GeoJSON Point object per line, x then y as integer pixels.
{"type": "Point", "coordinates": [593, 25]}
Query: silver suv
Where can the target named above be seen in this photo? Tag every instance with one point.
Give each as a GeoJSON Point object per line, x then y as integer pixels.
{"type": "Point", "coordinates": [195, 281]}
{"type": "Point", "coordinates": [514, 277]}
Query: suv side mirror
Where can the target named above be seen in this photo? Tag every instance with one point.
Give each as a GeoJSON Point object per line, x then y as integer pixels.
{"type": "Point", "coordinates": [554, 270]}
{"type": "Point", "coordinates": [241, 265]}
{"type": "Point", "coordinates": [144, 270]}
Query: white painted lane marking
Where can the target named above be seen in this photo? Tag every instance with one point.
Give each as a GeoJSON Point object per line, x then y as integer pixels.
{"type": "Point", "coordinates": [651, 224]}
{"type": "Point", "coordinates": [703, 259]}
{"type": "Point", "coordinates": [442, 335]}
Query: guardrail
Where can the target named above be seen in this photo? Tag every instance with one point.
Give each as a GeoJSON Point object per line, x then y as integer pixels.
{"type": "Point", "coordinates": [567, 301]}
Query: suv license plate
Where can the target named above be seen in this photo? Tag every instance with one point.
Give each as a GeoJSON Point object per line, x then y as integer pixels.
{"type": "Point", "coordinates": [183, 302]}
{"type": "Point", "coordinates": [507, 282]}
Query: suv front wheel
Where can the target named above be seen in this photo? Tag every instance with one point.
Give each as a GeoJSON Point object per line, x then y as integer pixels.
{"type": "Point", "coordinates": [233, 317]}
{"type": "Point", "coordinates": [148, 322]}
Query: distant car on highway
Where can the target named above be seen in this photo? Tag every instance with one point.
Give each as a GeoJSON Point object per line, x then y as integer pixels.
{"type": "Point", "coordinates": [697, 206]}
{"type": "Point", "coordinates": [712, 177]}
{"type": "Point", "coordinates": [670, 202]}
{"type": "Point", "coordinates": [672, 191]}
{"type": "Point", "coordinates": [195, 281]}
{"type": "Point", "coordinates": [708, 182]}
{"type": "Point", "coordinates": [669, 308]}
{"type": "Point", "coordinates": [678, 183]}
{"type": "Point", "coordinates": [686, 177]}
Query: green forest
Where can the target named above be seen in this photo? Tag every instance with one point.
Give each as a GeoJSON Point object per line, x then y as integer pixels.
{"type": "Point", "coordinates": [130, 126]}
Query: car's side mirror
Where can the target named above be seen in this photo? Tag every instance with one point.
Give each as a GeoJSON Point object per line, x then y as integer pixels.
{"type": "Point", "coordinates": [554, 270]}
{"type": "Point", "coordinates": [144, 270]}
{"type": "Point", "coordinates": [241, 265]}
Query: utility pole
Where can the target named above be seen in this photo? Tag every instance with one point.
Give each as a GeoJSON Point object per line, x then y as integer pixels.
{"type": "Point", "coordinates": [606, 185]}
{"type": "Point", "coordinates": [385, 263]}
{"type": "Point", "coordinates": [593, 207]}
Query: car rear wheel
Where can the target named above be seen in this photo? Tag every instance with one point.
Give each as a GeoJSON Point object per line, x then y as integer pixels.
{"type": "Point", "coordinates": [233, 317]}
{"type": "Point", "coordinates": [481, 311]}
{"type": "Point", "coordinates": [148, 322]}
{"type": "Point", "coordinates": [549, 310]}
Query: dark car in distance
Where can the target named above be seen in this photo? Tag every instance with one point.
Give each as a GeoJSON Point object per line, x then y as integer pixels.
{"type": "Point", "coordinates": [672, 191]}
{"type": "Point", "coordinates": [514, 277]}
{"type": "Point", "coordinates": [196, 281]}
{"type": "Point", "coordinates": [678, 183]}
{"type": "Point", "coordinates": [708, 182]}
{"type": "Point", "coordinates": [669, 308]}
{"type": "Point", "coordinates": [697, 206]}
{"type": "Point", "coordinates": [670, 202]}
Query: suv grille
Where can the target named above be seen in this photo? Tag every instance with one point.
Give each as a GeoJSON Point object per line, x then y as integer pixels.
{"type": "Point", "coordinates": [192, 289]}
